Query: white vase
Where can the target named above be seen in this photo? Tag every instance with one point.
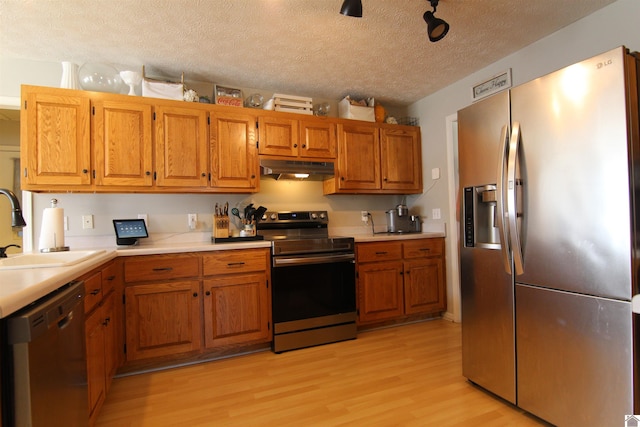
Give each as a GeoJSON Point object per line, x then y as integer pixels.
{"type": "Point", "coordinates": [70, 76]}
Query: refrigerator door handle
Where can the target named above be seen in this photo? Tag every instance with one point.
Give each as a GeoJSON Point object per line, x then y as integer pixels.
{"type": "Point", "coordinates": [500, 208]}
{"type": "Point", "coordinates": [512, 212]}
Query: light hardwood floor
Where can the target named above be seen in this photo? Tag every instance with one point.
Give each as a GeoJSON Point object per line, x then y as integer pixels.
{"type": "Point", "coordinates": [407, 375]}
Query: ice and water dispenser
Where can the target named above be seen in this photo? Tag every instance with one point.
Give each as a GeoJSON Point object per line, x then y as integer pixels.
{"type": "Point", "coordinates": [481, 217]}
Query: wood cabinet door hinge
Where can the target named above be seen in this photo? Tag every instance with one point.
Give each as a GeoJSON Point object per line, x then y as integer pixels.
{"type": "Point", "coordinates": [93, 110]}
{"type": "Point", "coordinates": [267, 283]}
{"type": "Point", "coordinates": [25, 104]}
{"type": "Point", "coordinates": [124, 348]}
{"type": "Point", "coordinates": [208, 120]}
{"type": "Point", "coordinates": [155, 176]}
{"type": "Point", "coordinates": [268, 325]}
{"type": "Point", "coordinates": [154, 115]}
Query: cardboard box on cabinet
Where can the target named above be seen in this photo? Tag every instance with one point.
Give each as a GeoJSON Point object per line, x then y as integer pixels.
{"type": "Point", "coordinates": [355, 112]}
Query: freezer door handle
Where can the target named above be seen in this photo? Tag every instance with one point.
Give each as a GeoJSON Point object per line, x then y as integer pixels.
{"type": "Point", "coordinates": [512, 188]}
{"type": "Point", "coordinates": [500, 187]}
{"type": "Point", "coordinates": [635, 304]}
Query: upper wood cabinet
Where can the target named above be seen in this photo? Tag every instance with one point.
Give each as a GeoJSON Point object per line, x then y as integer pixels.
{"type": "Point", "coordinates": [56, 140]}
{"type": "Point", "coordinates": [73, 140]}
{"type": "Point", "coordinates": [286, 136]}
{"type": "Point", "coordinates": [278, 136]}
{"type": "Point", "coordinates": [123, 142]}
{"type": "Point", "coordinates": [318, 138]}
{"type": "Point", "coordinates": [182, 147]}
{"type": "Point", "coordinates": [377, 159]}
{"type": "Point", "coordinates": [234, 162]}
{"type": "Point", "coordinates": [401, 159]}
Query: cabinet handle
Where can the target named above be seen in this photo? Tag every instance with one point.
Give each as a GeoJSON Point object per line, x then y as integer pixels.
{"type": "Point", "coordinates": [381, 253]}
{"type": "Point", "coordinates": [235, 264]}
{"type": "Point", "coordinates": [304, 146]}
{"type": "Point", "coordinates": [342, 178]}
{"type": "Point", "coordinates": [295, 145]}
{"type": "Point", "coordinates": [195, 294]}
{"type": "Point", "coordinates": [163, 269]}
{"type": "Point", "coordinates": [425, 249]}
{"type": "Point", "coordinates": [385, 179]}
{"type": "Point", "coordinates": [106, 321]}
{"type": "Point", "coordinates": [207, 293]}
{"type": "Point", "coordinates": [95, 292]}
{"type": "Point", "coordinates": [147, 173]}
{"type": "Point", "coordinates": [204, 174]}
{"type": "Point", "coordinates": [85, 171]}
{"type": "Point", "coordinates": [253, 176]}
{"type": "Point", "coordinates": [110, 278]}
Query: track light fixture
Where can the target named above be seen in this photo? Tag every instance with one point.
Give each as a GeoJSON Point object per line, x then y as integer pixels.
{"type": "Point", "coordinates": [352, 8]}
{"type": "Point", "coordinates": [436, 27]}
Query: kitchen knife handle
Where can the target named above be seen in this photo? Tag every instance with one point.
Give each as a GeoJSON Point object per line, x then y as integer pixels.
{"type": "Point", "coordinates": [500, 211]}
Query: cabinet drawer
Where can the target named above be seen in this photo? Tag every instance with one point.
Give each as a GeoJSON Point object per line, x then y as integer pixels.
{"type": "Point", "coordinates": [92, 291]}
{"type": "Point", "coordinates": [235, 261]}
{"type": "Point", "coordinates": [368, 252]}
{"type": "Point", "coordinates": [161, 267]}
{"type": "Point", "coordinates": [109, 278]}
{"type": "Point", "coordinates": [423, 248]}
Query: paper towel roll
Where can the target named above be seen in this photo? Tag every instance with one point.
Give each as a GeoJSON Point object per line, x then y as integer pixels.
{"type": "Point", "coordinates": [52, 232]}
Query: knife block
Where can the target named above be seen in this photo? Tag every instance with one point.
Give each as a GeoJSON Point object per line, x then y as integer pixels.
{"type": "Point", "coordinates": [221, 226]}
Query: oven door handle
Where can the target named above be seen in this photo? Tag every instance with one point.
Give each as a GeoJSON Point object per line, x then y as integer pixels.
{"type": "Point", "coordinates": [313, 259]}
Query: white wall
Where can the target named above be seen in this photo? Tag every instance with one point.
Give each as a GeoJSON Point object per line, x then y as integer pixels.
{"type": "Point", "coordinates": [612, 26]}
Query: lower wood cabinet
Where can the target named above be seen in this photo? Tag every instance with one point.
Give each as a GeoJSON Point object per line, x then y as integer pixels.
{"type": "Point", "coordinates": [103, 335]}
{"type": "Point", "coordinates": [162, 319]}
{"type": "Point", "coordinates": [398, 279]}
{"type": "Point", "coordinates": [193, 303]}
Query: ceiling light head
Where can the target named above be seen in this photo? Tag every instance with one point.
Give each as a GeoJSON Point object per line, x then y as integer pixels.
{"type": "Point", "coordinates": [352, 8]}
{"type": "Point", "coordinates": [436, 27]}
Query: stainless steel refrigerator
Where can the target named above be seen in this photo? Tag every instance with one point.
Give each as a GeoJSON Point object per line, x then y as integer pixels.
{"type": "Point", "coordinates": [549, 174]}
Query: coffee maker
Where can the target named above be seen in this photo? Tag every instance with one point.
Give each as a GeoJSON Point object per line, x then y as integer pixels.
{"type": "Point", "coordinates": [399, 221]}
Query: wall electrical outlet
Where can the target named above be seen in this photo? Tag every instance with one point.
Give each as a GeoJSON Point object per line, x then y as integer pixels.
{"type": "Point", "coordinates": [435, 213]}
{"type": "Point", "coordinates": [193, 221]}
{"type": "Point", "coordinates": [87, 222]}
{"type": "Point", "coordinates": [435, 173]}
{"type": "Point", "coordinates": [364, 216]}
{"type": "Point", "coordinates": [145, 217]}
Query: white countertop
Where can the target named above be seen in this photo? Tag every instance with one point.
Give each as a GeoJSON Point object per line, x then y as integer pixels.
{"type": "Point", "coordinates": [21, 287]}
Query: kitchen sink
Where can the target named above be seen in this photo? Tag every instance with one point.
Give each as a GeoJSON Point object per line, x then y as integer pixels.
{"type": "Point", "coordinates": [50, 259]}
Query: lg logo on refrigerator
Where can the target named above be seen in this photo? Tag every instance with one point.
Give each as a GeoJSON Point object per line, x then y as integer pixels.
{"type": "Point", "coordinates": [600, 65]}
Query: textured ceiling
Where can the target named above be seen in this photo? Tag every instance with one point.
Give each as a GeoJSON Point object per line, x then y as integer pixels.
{"type": "Point", "coordinates": [301, 47]}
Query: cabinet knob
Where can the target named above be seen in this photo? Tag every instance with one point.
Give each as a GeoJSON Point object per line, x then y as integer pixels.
{"type": "Point", "coordinates": [207, 293]}
{"type": "Point", "coordinates": [342, 178]}
{"type": "Point", "coordinates": [195, 294]}
{"type": "Point", "coordinates": [85, 171]}
{"type": "Point", "coordinates": [295, 145]}
{"type": "Point", "coordinates": [204, 174]}
{"type": "Point", "coordinates": [147, 173]}
{"type": "Point", "coordinates": [95, 292]}
{"type": "Point", "coordinates": [304, 145]}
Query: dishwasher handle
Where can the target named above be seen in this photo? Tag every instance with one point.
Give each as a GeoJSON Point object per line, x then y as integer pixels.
{"type": "Point", "coordinates": [54, 310]}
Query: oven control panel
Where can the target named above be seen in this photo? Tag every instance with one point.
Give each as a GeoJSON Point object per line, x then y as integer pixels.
{"type": "Point", "coordinates": [295, 217]}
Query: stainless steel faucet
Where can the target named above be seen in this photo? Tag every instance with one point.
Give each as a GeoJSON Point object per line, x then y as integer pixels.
{"type": "Point", "coordinates": [16, 213]}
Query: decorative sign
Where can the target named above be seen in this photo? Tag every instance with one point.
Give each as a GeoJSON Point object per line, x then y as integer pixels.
{"type": "Point", "coordinates": [493, 85]}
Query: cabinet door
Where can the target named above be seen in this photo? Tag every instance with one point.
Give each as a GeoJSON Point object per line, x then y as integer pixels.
{"type": "Point", "coordinates": [234, 158]}
{"type": "Point", "coordinates": [278, 136]}
{"type": "Point", "coordinates": [318, 138]}
{"type": "Point", "coordinates": [111, 347]}
{"type": "Point", "coordinates": [94, 341]}
{"type": "Point", "coordinates": [424, 287]}
{"type": "Point", "coordinates": [122, 136]}
{"type": "Point", "coordinates": [55, 133]}
{"type": "Point", "coordinates": [380, 293]}
{"type": "Point", "coordinates": [236, 309]}
{"type": "Point", "coordinates": [358, 157]}
{"type": "Point", "coordinates": [162, 319]}
{"type": "Point", "coordinates": [182, 147]}
{"type": "Point", "coordinates": [401, 164]}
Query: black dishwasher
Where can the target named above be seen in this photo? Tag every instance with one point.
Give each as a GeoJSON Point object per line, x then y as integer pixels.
{"type": "Point", "coordinates": [48, 361]}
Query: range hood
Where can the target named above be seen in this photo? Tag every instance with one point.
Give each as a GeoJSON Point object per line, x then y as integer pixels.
{"type": "Point", "coordinates": [296, 170]}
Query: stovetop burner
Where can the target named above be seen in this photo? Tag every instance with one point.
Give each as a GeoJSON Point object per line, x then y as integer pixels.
{"type": "Point", "coordinates": [301, 232]}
